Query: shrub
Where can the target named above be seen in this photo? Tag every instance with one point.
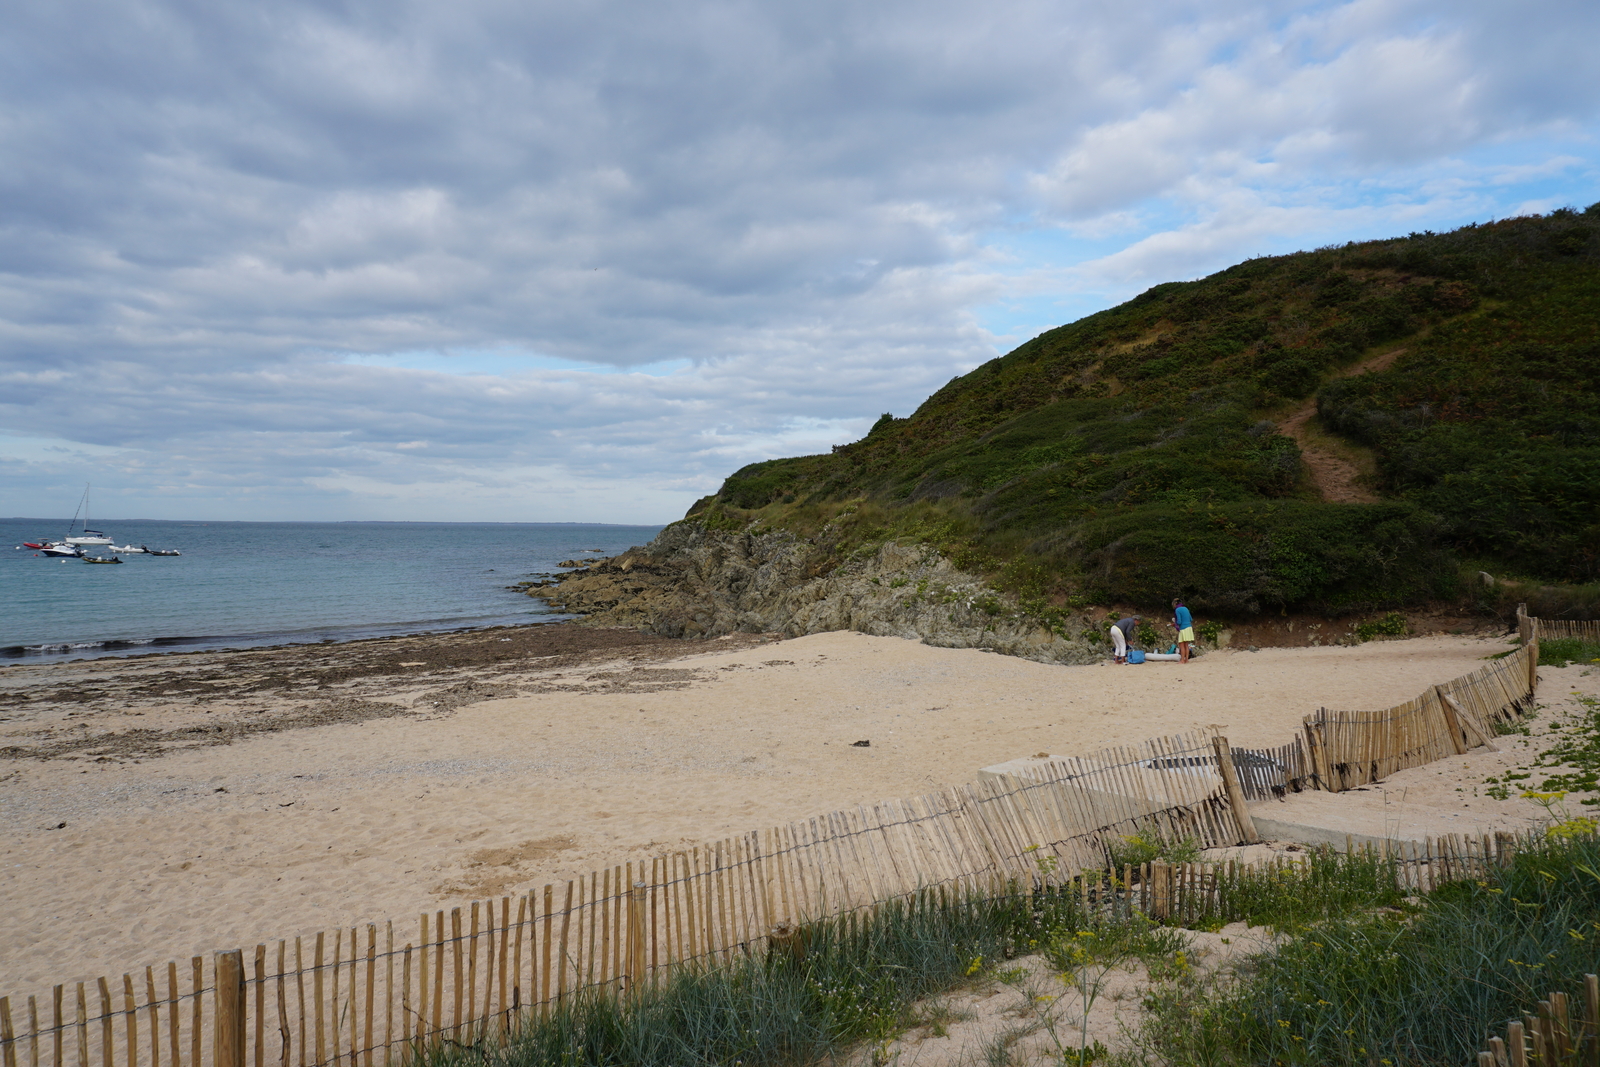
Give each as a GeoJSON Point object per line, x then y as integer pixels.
{"type": "Point", "coordinates": [1390, 625]}
{"type": "Point", "coordinates": [1249, 557]}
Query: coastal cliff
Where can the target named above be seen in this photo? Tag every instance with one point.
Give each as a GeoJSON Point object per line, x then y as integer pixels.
{"type": "Point", "coordinates": [695, 581]}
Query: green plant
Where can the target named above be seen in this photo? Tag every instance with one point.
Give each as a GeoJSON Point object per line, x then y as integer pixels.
{"type": "Point", "coordinates": [1560, 651]}
{"type": "Point", "coordinates": [1147, 846]}
{"type": "Point", "coordinates": [1409, 987]}
{"type": "Point", "coordinates": [1391, 625]}
{"type": "Point", "coordinates": [1575, 752]}
{"type": "Point", "coordinates": [1085, 957]}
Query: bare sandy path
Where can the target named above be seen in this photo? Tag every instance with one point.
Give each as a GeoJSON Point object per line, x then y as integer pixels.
{"type": "Point", "coordinates": [288, 831]}
{"type": "Point", "coordinates": [1337, 480]}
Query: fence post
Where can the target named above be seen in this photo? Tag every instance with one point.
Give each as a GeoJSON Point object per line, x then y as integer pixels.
{"type": "Point", "coordinates": [1458, 718]}
{"type": "Point", "coordinates": [1451, 722]}
{"type": "Point", "coordinates": [1161, 886]}
{"type": "Point", "coordinates": [1533, 662]}
{"type": "Point", "coordinates": [1230, 781]}
{"type": "Point", "coordinates": [1524, 627]}
{"type": "Point", "coordinates": [227, 1048]}
{"type": "Point", "coordinates": [8, 1037]}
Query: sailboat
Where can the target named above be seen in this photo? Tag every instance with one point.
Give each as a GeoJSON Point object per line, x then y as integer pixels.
{"type": "Point", "coordinates": [85, 536]}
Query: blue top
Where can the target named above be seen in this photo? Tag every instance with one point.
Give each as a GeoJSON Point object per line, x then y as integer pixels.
{"type": "Point", "coordinates": [1185, 620]}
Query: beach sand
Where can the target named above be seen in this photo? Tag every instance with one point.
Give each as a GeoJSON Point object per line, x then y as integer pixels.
{"type": "Point", "coordinates": [191, 803]}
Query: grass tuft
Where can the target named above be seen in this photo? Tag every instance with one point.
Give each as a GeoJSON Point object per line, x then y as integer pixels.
{"type": "Point", "coordinates": [1406, 987]}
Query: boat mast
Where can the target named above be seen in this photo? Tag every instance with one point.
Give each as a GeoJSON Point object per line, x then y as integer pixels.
{"type": "Point", "coordinates": [82, 502]}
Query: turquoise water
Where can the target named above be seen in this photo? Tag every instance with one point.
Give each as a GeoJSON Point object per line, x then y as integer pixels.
{"type": "Point", "coordinates": [248, 584]}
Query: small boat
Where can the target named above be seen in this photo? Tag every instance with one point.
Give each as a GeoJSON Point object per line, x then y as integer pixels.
{"type": "Point", "coordinates": [101, 559]}
{"type": "Point", "coordinates": [163, 552]}
{"type": "Point", "coordinates": [129, 549]}
{"type": "Point", "coordinates": [36, 544]}
{"type": "Point", "coordinates": [57, 549]}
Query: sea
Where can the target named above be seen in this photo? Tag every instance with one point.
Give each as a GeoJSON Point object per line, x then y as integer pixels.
{"type": "Point", "coordinates": [255, 584]}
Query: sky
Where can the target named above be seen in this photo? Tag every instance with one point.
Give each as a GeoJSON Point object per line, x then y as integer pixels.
{"type": "Point", "coordinates": [520, 260]}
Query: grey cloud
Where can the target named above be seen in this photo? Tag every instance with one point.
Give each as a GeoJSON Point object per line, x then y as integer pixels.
{"type": "Point", "coordinates": [208, 206]}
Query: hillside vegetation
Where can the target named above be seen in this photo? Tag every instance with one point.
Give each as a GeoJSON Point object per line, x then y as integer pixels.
{"type": "Point", "coordinates": [1136, 454]}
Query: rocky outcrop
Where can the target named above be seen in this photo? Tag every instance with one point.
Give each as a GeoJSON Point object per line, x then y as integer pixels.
{"type": "Point", "coordinates": [697, 582]}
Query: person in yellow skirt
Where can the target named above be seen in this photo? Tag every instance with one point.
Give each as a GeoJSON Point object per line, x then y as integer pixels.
{"type": "Point", "coordinates": [1183, 622]}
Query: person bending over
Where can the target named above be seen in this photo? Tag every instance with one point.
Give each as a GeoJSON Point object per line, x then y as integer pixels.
{"type": "Point", "coordinates": [1122, 636]}
{"type": "Point", "coordinates": [1183, 622]}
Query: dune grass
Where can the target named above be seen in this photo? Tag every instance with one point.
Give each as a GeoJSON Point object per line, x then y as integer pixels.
{"type": "Point", "coordinates": [1420, 984]}
{"type": "Point", "coordinates": [857, 981]}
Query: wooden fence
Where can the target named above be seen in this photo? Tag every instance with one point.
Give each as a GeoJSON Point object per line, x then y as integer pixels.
{"type": "Point", "coordinates": [1190, 892]}
{"type": "Point", "coordinates": [1554, 1037]}
{"type": "Point", "coordinates": [1351, 748]}
{"type": "Point", "coordinates": [1532, 629]}
{"type": "Point", "coordinates": [369, 995]}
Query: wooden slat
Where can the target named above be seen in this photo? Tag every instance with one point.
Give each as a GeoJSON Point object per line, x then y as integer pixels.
{"type": "Point", "coordinates": [458, 966]}
{"type": "Point", "coordinates": [420, 1027]}
{"type": "Point", "coordinates": [388, 990]}
{"type": "Point", "coordinates": [405, 1003]}
{"type": "Point", "coordinates": [472, 980]}
{"type": "Point", "coordinates": [566, 922]}
{"type": "Point", "coordinates": [196, 1031]}
{"type": "Point", "coordinates": [516, 991]}
{"type": "Point", "coordinates": [335, 1015]}
{"type": "Point", "coordinates": [316, 1002]}
{"type": "Point", "coordinates": [372, 984]}
{"type": "Point", "coordinates": [544, 965]}
{"type": "Point", "coordinates": [8, 1036]}
{"type": "Point", "coordinates": [173, 1021]}
{"type": "Point", "coordinates": [434, 1008]}
{"type": "Point", "coordinates": [153, 1012]}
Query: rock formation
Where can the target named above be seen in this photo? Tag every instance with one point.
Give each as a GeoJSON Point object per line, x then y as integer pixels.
{"type": "Point", "coordinates": [692, 581]}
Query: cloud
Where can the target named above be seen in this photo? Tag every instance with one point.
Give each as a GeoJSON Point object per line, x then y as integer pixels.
{"type": "Point", "coordinates": [227, 231]}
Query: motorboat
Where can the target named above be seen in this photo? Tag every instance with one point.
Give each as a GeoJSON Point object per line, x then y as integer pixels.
{"type": "Point", "coordinates": [54, 548]}
{"type": "Point", "coordinates": [101, 559]}
{"type": "Point", "coordinates": [129, 549]}
{"type": "Point", "coordinates": [163, 552]}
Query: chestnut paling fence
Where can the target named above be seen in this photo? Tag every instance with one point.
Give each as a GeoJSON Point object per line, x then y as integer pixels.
{"type": "Point", "coordinates": [1557, 1035]}
{"type": "Point", "coordinates": [376, 994]}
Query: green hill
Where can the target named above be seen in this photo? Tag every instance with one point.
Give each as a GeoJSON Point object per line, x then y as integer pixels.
{"type": "Point", "coordinates": [1139, 453]}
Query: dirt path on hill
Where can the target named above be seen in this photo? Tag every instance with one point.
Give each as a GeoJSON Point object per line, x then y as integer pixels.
{"type": "Point", "coordinates": [1336, 478]}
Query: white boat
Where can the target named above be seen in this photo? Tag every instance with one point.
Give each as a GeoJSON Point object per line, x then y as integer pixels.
{"type": "Point", "coordinates": [129, 549]}
{"type": "Point", "coordinates": [85, 536]}
{"type": "Point", "coordinates": [60, 550]}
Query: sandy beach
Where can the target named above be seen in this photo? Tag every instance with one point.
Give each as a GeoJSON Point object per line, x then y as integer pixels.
{"type": "Point", "coordinates": [164, 806]}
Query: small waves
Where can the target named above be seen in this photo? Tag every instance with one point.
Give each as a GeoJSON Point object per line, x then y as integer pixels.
{"type": "Point", "coordinates": [89, 648]}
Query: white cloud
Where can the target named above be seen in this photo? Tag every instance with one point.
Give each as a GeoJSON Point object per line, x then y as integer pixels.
{"type": "Point", "coordinates": [316, 257]}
